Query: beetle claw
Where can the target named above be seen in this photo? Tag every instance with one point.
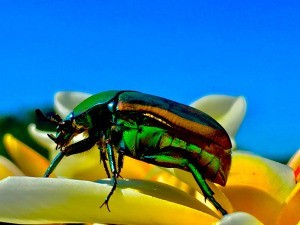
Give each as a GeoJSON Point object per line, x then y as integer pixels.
{"type": "Point", "coordinates": [119, 176]}
{"type": "Point", "coordinates": [105, 203]}
{"type": "Point", "coordinates": [52, 137]}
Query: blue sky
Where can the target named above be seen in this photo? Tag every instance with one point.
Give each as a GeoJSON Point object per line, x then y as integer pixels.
{"type": "Point", "coordinates": [180, 50]}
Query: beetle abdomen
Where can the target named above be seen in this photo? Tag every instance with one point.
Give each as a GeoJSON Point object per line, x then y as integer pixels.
{"type": "Point", "coordinates": [156, 146]}
{"type": "Point", "coordinates": [212, 166]}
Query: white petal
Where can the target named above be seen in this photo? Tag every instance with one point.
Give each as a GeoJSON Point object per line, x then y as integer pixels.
{"type": "Point", "coordinates": [40, 200]}
{"type": "Point", "coordinates": [239, 218]}
{"type": "Point", "coordinates": [65, 102]}
{"type": "Point", "coordinates": [41, 137]}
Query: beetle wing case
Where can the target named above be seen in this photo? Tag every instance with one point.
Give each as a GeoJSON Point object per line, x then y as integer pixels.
{"type": "Point", "coordinates": [188, 123]}
{"type": "Point", "coordinates": [180, 115]}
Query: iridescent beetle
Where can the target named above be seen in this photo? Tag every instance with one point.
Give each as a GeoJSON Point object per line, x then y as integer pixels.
{"type": "Point", "coordinates": [148, 128]}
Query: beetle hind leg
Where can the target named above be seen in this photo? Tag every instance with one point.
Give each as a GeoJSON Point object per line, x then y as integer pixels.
{"type": "Point", "coordinates": [206, 190]}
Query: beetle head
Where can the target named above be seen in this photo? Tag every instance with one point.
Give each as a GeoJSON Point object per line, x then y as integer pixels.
{"type": "Point", "coordinates": [65, 131]}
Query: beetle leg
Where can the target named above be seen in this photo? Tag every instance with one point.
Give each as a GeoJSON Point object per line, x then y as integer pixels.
{"type": "Point", "coordinates": [206, 190]}
{"type": "Point", "coordinates": [170, 159]}
{"type": "Point", "coordinates": [54, 163]}
{"type": "Point", "coordinates": [113, 169]}
{"type": "Point", "coordinates": [120, 162]}
{"type": "Point", "coordinates": [79, 147]}
{"type": "Point", "coordinates": [103, 158]}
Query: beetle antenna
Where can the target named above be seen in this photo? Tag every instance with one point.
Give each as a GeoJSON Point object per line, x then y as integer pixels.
{"type": "Point", "coordinates": [40, 114]}
{"type": "Point", "coordinates": [54, 118]}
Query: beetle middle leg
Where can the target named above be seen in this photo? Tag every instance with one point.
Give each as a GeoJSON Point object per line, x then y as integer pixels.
{"type": "Point", "coordinates": [103, 151]}
{"type": "Point", "coordinates": [80, 146]}
{"type": "Point", "coordinates": [113, 169]}
{"type": "Point", "coordinates": [103, 159]}
{"type": "Point", "coordinates": [120, 162]}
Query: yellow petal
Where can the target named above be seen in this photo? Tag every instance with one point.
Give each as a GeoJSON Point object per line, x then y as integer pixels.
{"type": "Point", "coordinates": [161, 175]}
{"type": "Point", "coordinates": [239, 218]}
{"type": "Point", "coordinates": [39, 200]}
{"type": "Point", "coordinates": [164, 175]}
{"type": "Point", "coordinates": [294, 163]}
{"type": "Point", "coordinates": [28, 160]}
{"type": "Point", "coordinates": [135, 169]}
{"type": "Point", "coordinates": [290, 212]}
{"type": "Point", "coordinates": [7, 168]}
{"type": "Point", "coordinates": [87, 166]}
{"type": "Point", "coordinates": [258, 186]}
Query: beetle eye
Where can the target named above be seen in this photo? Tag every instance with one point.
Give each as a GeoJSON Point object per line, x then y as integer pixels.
{"type": "Point", "coordinates": [64, 132]}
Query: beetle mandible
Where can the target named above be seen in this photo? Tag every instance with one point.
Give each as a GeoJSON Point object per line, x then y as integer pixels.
{"type": "Point", "coordinates": [148, 128]}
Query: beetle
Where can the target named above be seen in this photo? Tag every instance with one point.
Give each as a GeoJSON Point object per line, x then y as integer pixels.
{"type": "Point", "coordinates": [148, 128]}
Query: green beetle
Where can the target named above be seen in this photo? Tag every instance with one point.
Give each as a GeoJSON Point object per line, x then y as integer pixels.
{"type": "Point", "coordinates": [148, 128]}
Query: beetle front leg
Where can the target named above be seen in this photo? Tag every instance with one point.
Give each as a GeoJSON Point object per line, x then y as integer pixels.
{"type": "Point", "coordinates": [54, 163]}
{"type": "Point", "coordinates": [81, 146]}
{"type": "Point", "coordinates": [206, 190]}
{"type": "Point", "coordinates": [78, 147]}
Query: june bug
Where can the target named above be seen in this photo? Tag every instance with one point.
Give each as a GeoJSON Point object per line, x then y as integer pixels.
{"type": "Point", "coordinates": [148, 128]}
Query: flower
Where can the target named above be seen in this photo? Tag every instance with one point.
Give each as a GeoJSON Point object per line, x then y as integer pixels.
{"type": "Point", "coordinates": [258, 191]}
